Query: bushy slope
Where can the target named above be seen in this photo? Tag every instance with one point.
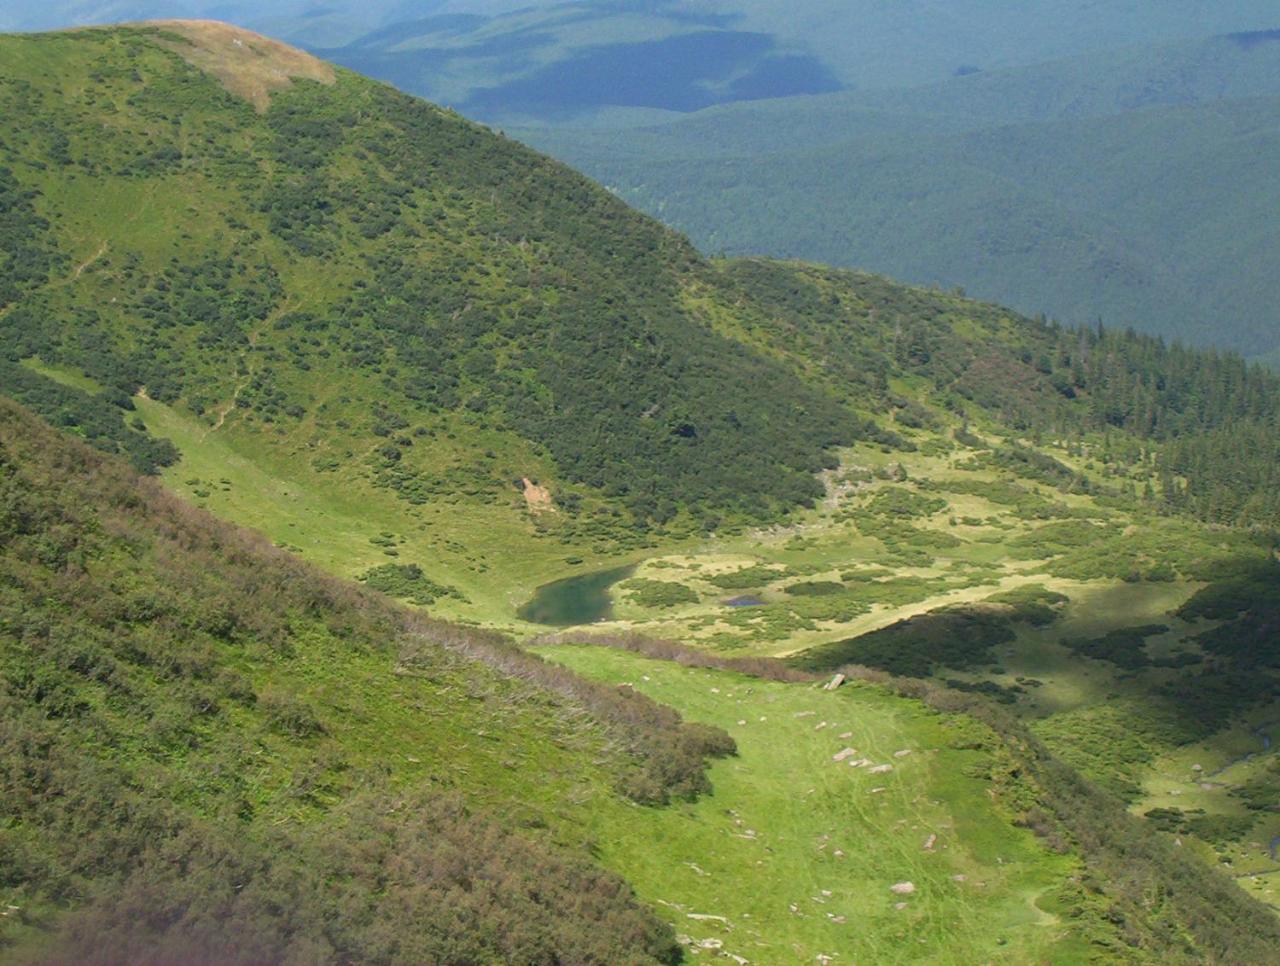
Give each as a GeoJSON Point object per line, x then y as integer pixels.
{"type": "Point", "coordinates": [213, 752]}
{"type": "Point", "coordinates": [352, 264]}
{"type": "Point", "coordinates": [407, 307]}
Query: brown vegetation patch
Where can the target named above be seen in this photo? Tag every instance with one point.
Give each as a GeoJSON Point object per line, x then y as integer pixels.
{"type": "Point", "coordinates": [537, 497]}
{"type": "Point", "coordinates": [245, 63]}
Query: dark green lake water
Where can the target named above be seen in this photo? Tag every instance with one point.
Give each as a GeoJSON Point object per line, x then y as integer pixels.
{"type": "Point", "coordinates": [574, 600]}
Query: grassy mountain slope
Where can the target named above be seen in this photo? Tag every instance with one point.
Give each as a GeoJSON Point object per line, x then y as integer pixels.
{"type": "Point", "coordinates": [377, 331]}
{"type": "Point", "coordinates": [229, 757]}
{"type": "Point", "coordinates": [414, 352]}
{"type": "Point", "coordinates": [203, 736]}
{"type": "Point", "coordinates": [438, 268]}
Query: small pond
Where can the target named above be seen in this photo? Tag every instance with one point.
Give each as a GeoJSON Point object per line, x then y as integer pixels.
{"type": "Point", "coordinates": [574, 600]}
{"type": "Point", "coordinates": [747, 600]}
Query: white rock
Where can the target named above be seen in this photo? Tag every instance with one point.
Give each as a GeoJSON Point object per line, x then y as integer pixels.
{"type": "Point", "coordinates": [881, 769]}
{"type": "Point", "coordinates": [902, 888]}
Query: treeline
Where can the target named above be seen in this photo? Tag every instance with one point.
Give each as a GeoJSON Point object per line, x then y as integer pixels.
{"type": "Point", "coordinates": [168, 778]}
{"type": "Point", "coordinates": [1229, 476]}
{"type": "Point", "coordinates": [1204, 423]}
{"type": "Point", "coordinates": [98, 419]}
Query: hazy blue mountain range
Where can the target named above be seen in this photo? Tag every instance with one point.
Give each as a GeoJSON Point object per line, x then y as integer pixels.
{"type": "Point", "coordinates": [1130, 185]}
{"type": "Point", "coordinates": [495, 58]}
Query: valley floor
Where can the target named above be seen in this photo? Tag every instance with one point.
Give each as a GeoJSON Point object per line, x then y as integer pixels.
{"type": "Point", "coordinates": [944, 532]}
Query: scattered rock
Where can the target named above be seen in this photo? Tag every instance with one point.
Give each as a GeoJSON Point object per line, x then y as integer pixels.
{"type": "Point", "coordinates": [703, 917]}
{"type": "Point", "coordinates": [876, 791]}
{"type": "Point", "coordinates": [838, 853]}
{"type": "Point", "coordinates": [847, 734]}
{"type": "Point", "coordinates": [842, 755]}
{"type": "Point", "coordinates": [881, 769]}
{"type": "Point", "coordinates": [820, 726]}
{"type": "Point", "coordinates": [715, 690]}
{"type": "Point", "coordinates": [899, 906]}
{"type": "Point", "coordinates": [959, 878]}
{"type": "Point", "coordinates": [834, 683]}
{"type": "Point", "coordinates": [710, 944]}
{"type": "Point", "coordinates": [859, 762]}
{"type": "Point", "coordinates": [1197, 768]}
{"type": "Point", "coordinates": [930, 842]}
{"type": "Point", "coordinates": [743, 722]}
{"type": "Point", "coordinates": [902, 754]}
{"type": "Point", "coordinates": [902, 888]}
{"type": "Point", "coordinates": [804, 714]}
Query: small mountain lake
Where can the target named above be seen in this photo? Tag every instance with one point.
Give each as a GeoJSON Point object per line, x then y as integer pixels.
{"type": "Point", "coordinates": [574, 600]}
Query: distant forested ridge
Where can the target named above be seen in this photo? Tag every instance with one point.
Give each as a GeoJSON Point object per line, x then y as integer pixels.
{"type": "Point", "coordinates": [1127, 185]}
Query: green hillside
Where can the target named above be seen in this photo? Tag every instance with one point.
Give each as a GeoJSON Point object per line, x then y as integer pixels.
{"type": "Point", "coordinates": [409, 351]}
{"type": "Point", "coordinates": [444, 272]}
{"type": "Point", "coordinates": [202, 735]}
{"type": "Point", "coordinates": [229, 756]}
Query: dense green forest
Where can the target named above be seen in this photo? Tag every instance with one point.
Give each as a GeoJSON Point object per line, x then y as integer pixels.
{"type": "Point", "coordinates": [1125, 185]}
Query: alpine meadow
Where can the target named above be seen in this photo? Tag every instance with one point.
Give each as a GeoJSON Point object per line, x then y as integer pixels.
{"type": "Point", "coordinates": [410, 553]}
